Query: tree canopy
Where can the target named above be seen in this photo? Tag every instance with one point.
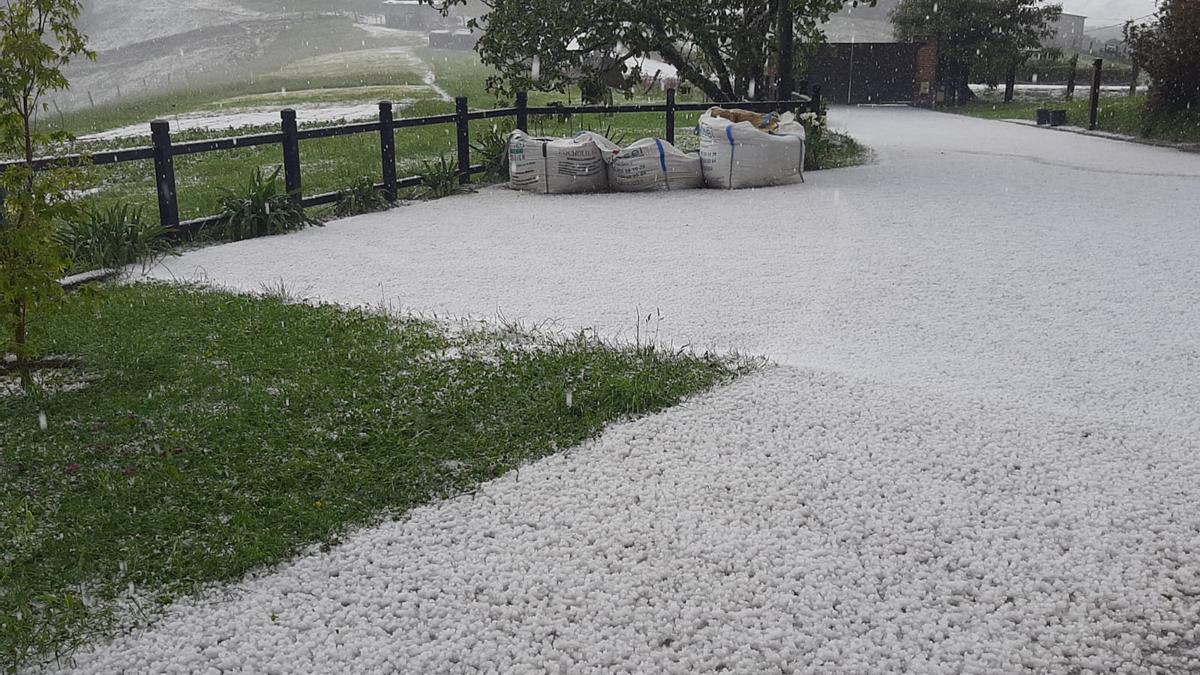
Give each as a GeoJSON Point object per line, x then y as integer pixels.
{"type": "Point", "coordinates": [726, 48]}
{"type": "Point", "coordinates": [1169, 49]}
{"type": "Point", "coordinates": [980, 38]}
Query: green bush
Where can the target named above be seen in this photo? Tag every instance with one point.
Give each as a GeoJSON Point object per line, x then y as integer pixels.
{"type": "Point", "coordinates": [112, 237]}
{"type": "Point", "coordinates": [260, 208]}
{"type": "Point", "coordinates": [1168, 50]}
{"type": "Point", "coordinates": [492, 146]}
{"type": "Point", "coordinates": [362, 197]}
{"type": "Point", "coordinates": [825, 149]}
{"type": "Point", "coordinates": [439, 179]}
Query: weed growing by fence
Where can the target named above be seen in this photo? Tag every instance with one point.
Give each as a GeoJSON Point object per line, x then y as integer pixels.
{"type": "Point", "coordinates": [491, 147]}
{"type": "Point", "coordinates": [362, 197]}
{"type": "Point", "coordinates": [113, 236]}
{"type": "Point", "coordinates": [260, 208]}
{"type": "Point", "coordinates": [439, 178]}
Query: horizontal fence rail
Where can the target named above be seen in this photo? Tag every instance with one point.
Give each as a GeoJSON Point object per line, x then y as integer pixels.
{"type": "Point", "coordinates": [163, 150]}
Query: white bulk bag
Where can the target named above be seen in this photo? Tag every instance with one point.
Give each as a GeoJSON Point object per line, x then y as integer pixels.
{"type": "Point", "coordinates": [788, 126]}
{"type": "Point", "coordinates": [608, 149]}
{"type": "Point", "coordinates": [741, 156]}
{"type": "Point", "coordinates": [555, 165]}
{"type": "Point", "coordinates": [654, 164]}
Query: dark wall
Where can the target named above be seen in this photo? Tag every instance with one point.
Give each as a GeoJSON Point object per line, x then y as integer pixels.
{"type": "Point", "coordinates": [868, 72]}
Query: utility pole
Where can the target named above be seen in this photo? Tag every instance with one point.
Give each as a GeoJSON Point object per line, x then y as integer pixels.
{"type": "Point", "coordinates": [787, 49]}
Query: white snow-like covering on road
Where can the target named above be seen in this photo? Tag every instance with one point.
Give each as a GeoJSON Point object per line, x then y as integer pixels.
{"type": "Point", "coordinates": [978, 452]}
{"type": "Point", "coordinates": [240, 119]}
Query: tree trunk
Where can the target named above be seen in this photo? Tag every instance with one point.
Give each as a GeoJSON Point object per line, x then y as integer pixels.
{"type": "Point", "coordinates": [19, 339]}
{"type": "Point", "coordinates": [965, 95]}
{"type": "Point", "coordinates": [688, 73]}
{"type": "Point", "coordinates": [20, 309]}
{"type": "Point", "coordinates": [787, 53]}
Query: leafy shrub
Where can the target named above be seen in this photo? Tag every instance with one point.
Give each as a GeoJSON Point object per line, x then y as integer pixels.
{"type": "Point", "coordinates": [439, 179]}
{"type": "Point", "coordinates": [362, 197]}
{"type": "Point", "coordinates": [825, 149]}
{"type": "Point", "coordinates": [113, 236]}
{"type": "Point", "coordinates": [492, 146]}
{"type": "Point", "coordinates": [814, 140]}
{"type": "Point", "coordinates": [1168, 50]}
{"type": "Point", "coordinates": [260, 208]}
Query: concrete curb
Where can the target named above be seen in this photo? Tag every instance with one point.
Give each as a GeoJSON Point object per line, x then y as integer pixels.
{"type": "Point", "coordinates": [77, 280]}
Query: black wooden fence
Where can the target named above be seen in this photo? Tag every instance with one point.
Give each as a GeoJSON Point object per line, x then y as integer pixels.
{"type": "Point", "coordinates": [163, 151]}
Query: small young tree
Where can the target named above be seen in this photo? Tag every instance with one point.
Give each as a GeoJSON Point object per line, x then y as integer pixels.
{"type": "Point", "coordinates": [980, 38]}
{"type": "Point", "coordinates": [1169, 49]}
{"type": "Point", "coordinates": [37, 39]}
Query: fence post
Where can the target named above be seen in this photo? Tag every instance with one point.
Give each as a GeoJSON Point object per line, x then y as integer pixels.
{"type": "Point", "coordinates": [164, 173]}
{"type": "Point", "coordinates": [1094, 112]}
{"type": "Point", "coordinates": [1133, 79]}
{"type": "Point", "coordinates": [1071, 77]}
{"type": "Point", "coordinates": [291, 154]}
{"type": "Point", "coordinates": [387, 150]}
{"type": "Point", "coordinates": [816, 99]}
{"type": "Point", "coordinates": [523, 111]}
{"type": "Point", "coordinates": [671, 115]}
{"type": "Point", "coordinates": [464, 139]}
{"type": "Point", "coordinates": [1010, 83]}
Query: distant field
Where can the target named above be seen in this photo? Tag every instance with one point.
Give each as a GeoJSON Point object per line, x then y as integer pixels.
{"type": "Point", "coordinates": [317, 43]}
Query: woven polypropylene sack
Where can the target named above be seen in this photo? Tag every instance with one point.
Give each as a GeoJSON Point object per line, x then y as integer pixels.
{"type": "Point", "coordinates": [654, 164]}
{"type": "Point", "coordinates": [555, 165]}
{"type": "Point", "coordinates": [741, 156]}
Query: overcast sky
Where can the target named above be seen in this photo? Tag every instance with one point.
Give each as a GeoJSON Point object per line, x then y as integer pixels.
{"type": "Point", "coordinates": [1104, 12]}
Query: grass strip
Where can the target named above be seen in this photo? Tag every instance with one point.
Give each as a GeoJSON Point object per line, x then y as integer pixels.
{"type": "Point", "coordinates": [1121, 115]}
{"type": "Point", "coordinates": [220, 433]}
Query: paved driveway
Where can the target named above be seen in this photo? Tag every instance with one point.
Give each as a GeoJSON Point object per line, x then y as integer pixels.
{"type": "Point", "coordinates": [978, 452]}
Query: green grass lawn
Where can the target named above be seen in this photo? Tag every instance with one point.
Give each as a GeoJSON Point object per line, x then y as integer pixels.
{"type": "Point", "coordinates": [1122, 115]}
{"type": "Point", "coordinates": [220, 433]}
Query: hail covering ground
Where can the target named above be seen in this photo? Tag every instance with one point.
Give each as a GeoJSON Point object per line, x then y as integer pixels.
{"type": "Point", "coordinates": [977, 453]}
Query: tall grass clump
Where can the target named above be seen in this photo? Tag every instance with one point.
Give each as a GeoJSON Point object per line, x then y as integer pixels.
{"type": "Point", "coordinates": [491, 145]}
{"type": "Point", "coordinates": [113, 236]}
{"type": "Point", "coordinates": [259, 208]}
{"type": "Point", "coordinates": [439, 179]}
{"type": "Point", "coordinates": [361, 197]}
